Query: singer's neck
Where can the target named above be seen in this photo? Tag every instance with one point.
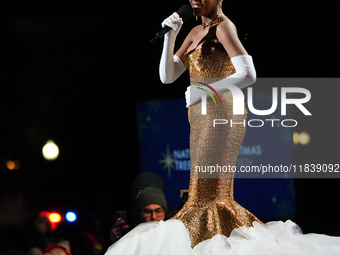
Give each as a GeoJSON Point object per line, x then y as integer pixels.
{"type": "Point", "coordinates": [212, 19]}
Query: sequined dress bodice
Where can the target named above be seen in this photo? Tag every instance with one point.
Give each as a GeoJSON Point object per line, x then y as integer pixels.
{"type": "Point", "coordinates": [208, 65]}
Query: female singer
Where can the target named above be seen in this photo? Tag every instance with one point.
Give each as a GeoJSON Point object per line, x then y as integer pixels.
{"type": "Point", "coordinates": [214, 55]}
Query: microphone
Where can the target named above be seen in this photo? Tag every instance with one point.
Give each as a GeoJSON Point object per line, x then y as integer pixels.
{"type": "Point", "coordinates": [185, 12]}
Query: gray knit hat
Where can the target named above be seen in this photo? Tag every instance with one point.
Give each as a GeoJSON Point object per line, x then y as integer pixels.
{"type": "Point", "coordinates": [151, 196]}
{"type": "Point", "coordinates": [147, 179]}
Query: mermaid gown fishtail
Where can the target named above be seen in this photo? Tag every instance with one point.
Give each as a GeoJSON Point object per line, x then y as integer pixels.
{"type": "Point", "coordinates": [211, 208]}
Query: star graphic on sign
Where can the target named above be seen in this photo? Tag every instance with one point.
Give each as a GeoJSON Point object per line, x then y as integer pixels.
{"type": "Point", "coordinates": [168, 160]}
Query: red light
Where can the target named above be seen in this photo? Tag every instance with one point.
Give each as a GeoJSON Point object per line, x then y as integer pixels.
{"type": "Point", "coordinates": [43, 214]}
{"type": "Point", "coordinates": [54, 217]}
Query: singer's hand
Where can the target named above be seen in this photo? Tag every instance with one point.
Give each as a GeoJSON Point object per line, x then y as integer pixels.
{"type": "Point", "coordinates": [175, 22]}
{"type": "Point", "coordinates": [193, 95]}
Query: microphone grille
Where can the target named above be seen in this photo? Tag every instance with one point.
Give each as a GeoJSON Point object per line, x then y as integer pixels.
{"type": "Point", "coordinates": [185, 12]}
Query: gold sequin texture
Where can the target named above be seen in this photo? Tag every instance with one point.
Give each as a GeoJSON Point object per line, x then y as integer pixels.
{"type": "Point", "coordinates": [211, 208]}
{"type": "Point", "coordinates": [208, 65]}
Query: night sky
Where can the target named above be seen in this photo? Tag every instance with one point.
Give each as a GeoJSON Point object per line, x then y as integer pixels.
{"type": "Point", "coordinates": [72, 73]}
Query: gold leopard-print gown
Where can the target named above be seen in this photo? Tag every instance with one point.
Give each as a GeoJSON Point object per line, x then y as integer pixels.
{"type": "Point", "coordinates": [211, 208]}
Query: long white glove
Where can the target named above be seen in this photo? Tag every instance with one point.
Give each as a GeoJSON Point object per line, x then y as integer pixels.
{"type": "Point", "coordinates": [244, 76]}
{"type": "Point", "coordinates": [171, 67]}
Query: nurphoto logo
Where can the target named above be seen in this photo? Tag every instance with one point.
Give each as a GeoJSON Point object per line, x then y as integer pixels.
{"type": "Point", "coordinates": [238, 104]}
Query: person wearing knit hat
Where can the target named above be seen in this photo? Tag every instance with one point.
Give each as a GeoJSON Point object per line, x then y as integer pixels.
{"type": "Point", "coordinates": [152, 205]}
{"type": "Point", "coordinates": [143, 181]}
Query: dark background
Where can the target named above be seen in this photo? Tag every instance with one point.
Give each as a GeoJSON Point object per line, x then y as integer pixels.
{"type": "Point", "coordinates": [73, 72]}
